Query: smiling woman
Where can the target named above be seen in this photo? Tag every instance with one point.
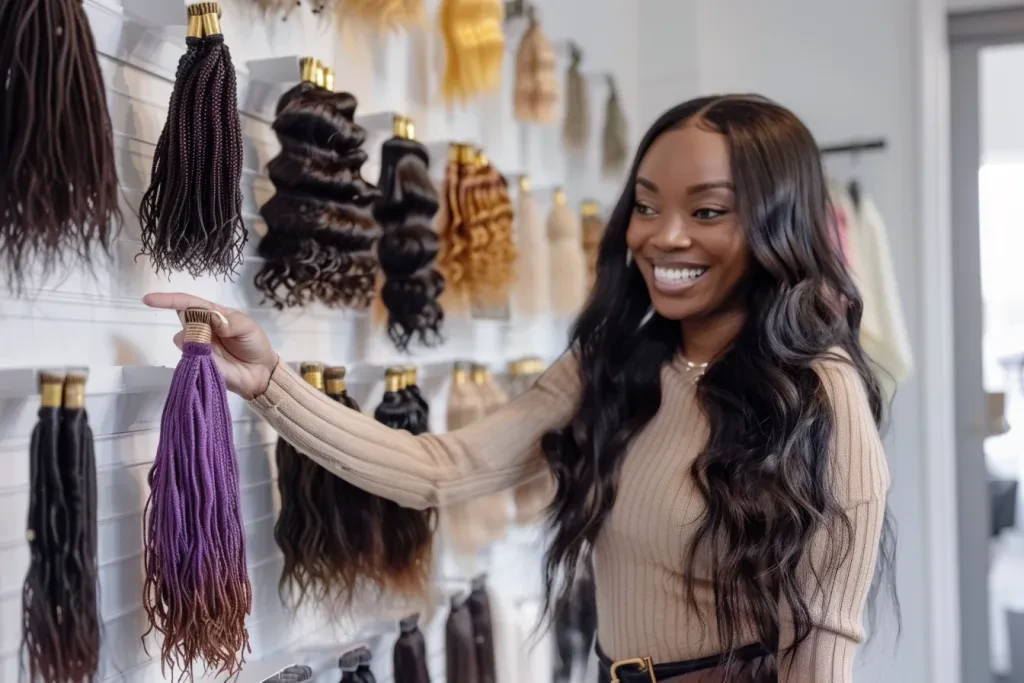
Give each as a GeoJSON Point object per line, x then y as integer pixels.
{"type": "Point", "coordinates": [713, 427]}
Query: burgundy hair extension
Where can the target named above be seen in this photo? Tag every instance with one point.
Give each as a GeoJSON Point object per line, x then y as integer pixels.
{"type": "Point", "coordinates": [191, 215]}
{"type": "Point", "coordinates": [58, 181]}
{"type": "Point", "coordinates": [196, 591]}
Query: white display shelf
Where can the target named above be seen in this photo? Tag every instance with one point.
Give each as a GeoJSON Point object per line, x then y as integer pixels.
{"type": "Point", "coordinates": [24, 382]}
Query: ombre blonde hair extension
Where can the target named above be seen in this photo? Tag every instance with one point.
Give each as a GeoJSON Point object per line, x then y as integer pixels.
{"type": "Point", "coordinates": [536, 84]}
{"type": "Point", "coordinates": [568, 266]}
{"type": "Point", "coordinates": [576, 126]}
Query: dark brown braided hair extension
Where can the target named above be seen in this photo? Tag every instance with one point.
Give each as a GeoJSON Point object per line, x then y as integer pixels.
{"type": "Point", "coordinates": [191, 215]}
{"type": "Point", "coordinates": [44, 590]}
{"type": "Point", "coordinates": [408, 246]}
{"type": "Point", "coordinates": [58, 181]}
{"type": "Point", "coordinates": [408, 545]}
{"type": "Point", "coordinates": [320, 226]}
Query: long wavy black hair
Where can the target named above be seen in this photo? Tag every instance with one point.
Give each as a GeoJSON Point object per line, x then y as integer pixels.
{"type": "Point", "coordinates": [770, 420]}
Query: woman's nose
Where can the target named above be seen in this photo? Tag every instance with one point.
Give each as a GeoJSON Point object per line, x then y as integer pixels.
{"type": "Point", "coordinates": [673, 234]}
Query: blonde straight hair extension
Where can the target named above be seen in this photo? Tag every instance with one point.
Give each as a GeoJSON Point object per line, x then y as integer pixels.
{"type": "Point", "coordinates": [474, 47]}
{"type": "Point", "coordinates": [536, 84]}
{"type": "Point", "coordinates": [567, 263]}
{"type": "Point", "coordinates": [531, 293]}
{"type": "Point", "coordinates": [615, 136]}
{"type": "Point", "coordinates": [534, 496]}
{"type": "Point", "coordinates": [382, 16]}
{"type": "Point", "coordinates": [593, 231]}
{"type": "Point", "coordinates": [576, 126]}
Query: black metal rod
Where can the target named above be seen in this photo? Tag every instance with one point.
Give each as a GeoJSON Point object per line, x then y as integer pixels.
{"type": "Point", "coordinates": [856, 146]}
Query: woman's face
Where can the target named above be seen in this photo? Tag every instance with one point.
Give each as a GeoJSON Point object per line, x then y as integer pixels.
{"type": "Point", "coordinates": [685, 234]}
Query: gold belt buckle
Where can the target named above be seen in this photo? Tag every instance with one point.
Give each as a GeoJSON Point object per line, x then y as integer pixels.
{"type": "Point", "coordinates": [642, 663]}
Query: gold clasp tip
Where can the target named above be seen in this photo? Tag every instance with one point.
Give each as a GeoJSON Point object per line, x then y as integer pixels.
{"type": "Point", "coordinates": [645, 664]}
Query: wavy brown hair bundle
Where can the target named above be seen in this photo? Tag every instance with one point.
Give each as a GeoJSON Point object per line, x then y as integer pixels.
{"type": "Point", "coordinates": [536, 83]}
{"type": "Point", "coordinates": [60, 597]}
{"type": "Point", "coordinates": [191, 215]}
{"type": "Point", "coordinates": [408, 543]}
{"type": "Point", "coordinates": [320, 225]}
{"type": "Point", "coordinates": [408, 247]}
{"type": "Point", "coordinates": [58, 183]}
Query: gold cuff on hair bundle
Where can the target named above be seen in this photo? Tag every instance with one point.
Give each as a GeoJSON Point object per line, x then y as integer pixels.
{"type": "Point", "coordinates": [308, 67]}
{"type": "Point", "coordinates": [198, 325]}
{"type": "Point", "coordinates": [334, 379]}
{"type": "Point", "coordinates": [74, 392]}
{"type": "Point", "coordinates": [51, 390]}
{"type": "Point", "coordinates": [204, 20]}
{"type": "Point", "coordinates": [313, 373]}
{"type": "Point", "coordinates": [403, 127]}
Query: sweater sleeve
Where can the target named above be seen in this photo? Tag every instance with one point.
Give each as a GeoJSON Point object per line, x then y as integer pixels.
{"type": "Point", "coordinates": [430, 470]}
{"type": "Point", "coordinates": [837, 591]}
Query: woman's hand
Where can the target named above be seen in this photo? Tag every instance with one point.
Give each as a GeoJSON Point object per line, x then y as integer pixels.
{"type": "Point", "coordinates": [241, 348]}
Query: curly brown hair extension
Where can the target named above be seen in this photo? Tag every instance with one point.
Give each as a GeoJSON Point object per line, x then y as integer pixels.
{"type": "Point", "coordinates": [58, 181]}
{"type": "Point", "coordinates": [492, 253]}
{"type": "Point", "coordinates": [408, 247]}
{"type": "Point", "coordinates": [191, 215]}
{"type": "Point", "coordinates": [320, 225]}
{"type": "Point", "coordinates": [452, 228]}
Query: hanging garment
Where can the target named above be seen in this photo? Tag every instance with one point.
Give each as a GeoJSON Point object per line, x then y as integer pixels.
{"type": "Point", "coordinates": [883, 331]}
{"type": "Point", "coordinates": [460, 646]}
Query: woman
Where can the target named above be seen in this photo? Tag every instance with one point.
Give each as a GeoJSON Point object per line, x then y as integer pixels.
{"type": "Point", "coordinates": [713, 430]}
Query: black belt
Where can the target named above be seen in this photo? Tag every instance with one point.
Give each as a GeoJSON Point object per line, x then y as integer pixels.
{"type": "Point", "coordinates": [643, 670]}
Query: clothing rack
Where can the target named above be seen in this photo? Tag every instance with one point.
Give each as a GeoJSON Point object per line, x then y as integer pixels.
{"type": "Point", "coordinates": [856, 146]}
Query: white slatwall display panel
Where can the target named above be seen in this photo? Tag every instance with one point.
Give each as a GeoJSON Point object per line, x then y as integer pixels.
{"type": "Point", "coordinates": [97, 320]}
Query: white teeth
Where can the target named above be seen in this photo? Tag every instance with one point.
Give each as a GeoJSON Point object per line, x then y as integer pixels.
{"type": "Point", "coordinates": [666, 274]}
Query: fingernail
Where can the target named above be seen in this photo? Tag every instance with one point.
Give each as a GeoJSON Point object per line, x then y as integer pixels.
{"type": "Point", "coordinates": [223, 318]}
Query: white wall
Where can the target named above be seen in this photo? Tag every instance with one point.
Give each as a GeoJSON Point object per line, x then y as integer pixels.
{"type": "Point", "coordinates": [1002, 136]}
{"type": "Point", "coordinates": [974, 5]}
{"type": "Point", "coordinates": [849, 70]}
{"type": "Point", "coordinates": [100, 323]}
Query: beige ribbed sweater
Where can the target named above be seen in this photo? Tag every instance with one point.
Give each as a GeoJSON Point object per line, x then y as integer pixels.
{"type": "Point", "coordinates": [642, 603]}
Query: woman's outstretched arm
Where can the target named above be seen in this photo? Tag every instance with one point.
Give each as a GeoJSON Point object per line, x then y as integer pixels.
{"type": "Point", "coordinates": [496, 453]}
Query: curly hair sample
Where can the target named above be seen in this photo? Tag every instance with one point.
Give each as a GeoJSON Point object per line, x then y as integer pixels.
{"type": "Point", "coordinates": [191, 215]}
{"type": "Point", "coordinates": [58, 181]}
{"type": "Point", "coordinates": [321, 231]}
{"type": "Point", "coordinates": [408, 545]}
{"type": "Point", "coordinates": [768, 493]}
{"type": "Point", "coordinates": [535, 94]}
{"type": "Point", "coordinates": [492, 252]}
{"type": "Point", "coordinates": [453, 230]}
{"type": "Point", "coordinates": [567, 263]}
{"type": "Point", "coordinates": [409, 244]}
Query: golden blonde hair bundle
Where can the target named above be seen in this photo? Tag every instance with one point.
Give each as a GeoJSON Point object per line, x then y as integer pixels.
{"type": "Point", "coordinates": [536, 83]}
{"type": "Point", "coordinates": [474, 47]}
{"type": "Point", "coordinates": [568, 266]}
{"type": "Point", "coordinates": [593, 230]}
{"type": "Point", "coordinates": [531, 294]}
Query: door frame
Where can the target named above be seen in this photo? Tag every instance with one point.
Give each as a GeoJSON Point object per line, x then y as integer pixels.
{"type": "Point", "coordinates": [968, 34]}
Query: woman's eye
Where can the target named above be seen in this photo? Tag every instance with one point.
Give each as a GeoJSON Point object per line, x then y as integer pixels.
{"type": "Point", "coordinates": [643, 209]}
{"type": "Point", "coordinates": [708, 214]}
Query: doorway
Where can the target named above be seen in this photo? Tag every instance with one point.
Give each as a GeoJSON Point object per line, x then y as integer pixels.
{"type": "Point", "coordinates": [987, 157]}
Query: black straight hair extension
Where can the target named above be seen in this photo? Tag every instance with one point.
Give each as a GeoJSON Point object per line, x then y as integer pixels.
{"type": "Point", "coordinates": [408, 545]}
{"type": "Point", "coordinates": [58, 180]}
{"type": "Point", "coordinates": [191, 215]}
{"type": "Point", "coordinates": [43, 593]}
{"type": "Point", "coordinates": [410, 654]}
{"type": "Point", "coordinates": [81, 621]}
{"type": "Point", "coordinates": [409, 244]}
{"type": "Point", "coordinates": [479, 604]}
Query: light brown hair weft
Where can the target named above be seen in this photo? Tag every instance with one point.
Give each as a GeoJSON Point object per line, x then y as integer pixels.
{"type": "Point", "coordinates": [58, 182]}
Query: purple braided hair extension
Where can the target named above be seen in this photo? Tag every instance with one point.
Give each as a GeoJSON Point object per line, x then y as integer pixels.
{"type": "Point", "coordinates": [197, 592]}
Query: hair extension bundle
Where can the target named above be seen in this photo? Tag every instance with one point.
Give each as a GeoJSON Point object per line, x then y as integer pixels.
{"type": "Point", "coordinates": [191, 215]}
{"type": "Point", "coordinates": [408, 246]}
{"type": "Point", "coordinates": [492, 253]}
{"type": "Point", "coordinates": [303, 527]}
{"type": "Point", "coordinates": [532, 497]}
{"type": "Point", "coordinates": [410, 654]}
{"type": "Point", "coordinates": [197, 591]}
{"type": "Point", "coordinates": [408, 543]}
{"type": "Point", "coordinates": [355, 666]}
{"type": "Point", "coordinates": [453, 229]}
{"type": "Point", "coordinates": [461, 665]}
{"type": "Point", "coordinates": [320, 226]}
{"type": "Point", "coordinates": [476, 523]}
{"type": "Point", "coordinates": [536, 84]}
{"type": "Point", "coordinates": [479, 604]}
{"type": "Point", "coordinates": [474, 45]}
{"type": "Point", "coordinates": [531, 292]}
{"type": "Point", "coordinates": [576, 126]}
{"type": "Point", "coordinates": [58, 182]}
{"type": "Point", "coordinates": [43, 598]}
{"type": "Point", "coordinates": [593, 230]}
{"type": "Point", "coordinates": [418, 406]}
{"type": "Point", "coordinates": [568, 265]}
{"type": "Point", "coordinates": [363, 673]}
{"type": "Point", "coordinates": [615, 136]}
{"type": "Point", "coordinates": [382, 16]}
